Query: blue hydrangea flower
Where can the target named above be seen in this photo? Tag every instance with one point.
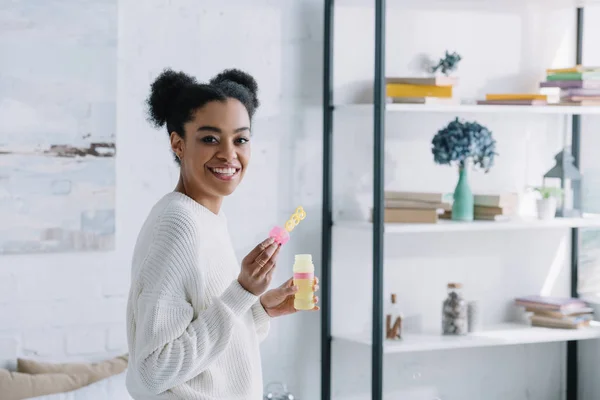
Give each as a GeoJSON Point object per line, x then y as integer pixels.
{"type": "Point", "coordinates": [460, 141]}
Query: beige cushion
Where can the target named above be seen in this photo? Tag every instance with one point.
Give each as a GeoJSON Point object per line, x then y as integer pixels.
{"type": "Point", "coordinates": [18, 386]}
{"type": "Point", "coordinates": [95, 371]}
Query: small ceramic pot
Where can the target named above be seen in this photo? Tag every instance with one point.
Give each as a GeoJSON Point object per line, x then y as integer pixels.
{"type": "Point", "coordinates": [546, 208]}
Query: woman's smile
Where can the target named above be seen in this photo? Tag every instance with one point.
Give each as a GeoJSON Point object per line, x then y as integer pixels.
{"type": "Point", "coordinates": [225, 173]}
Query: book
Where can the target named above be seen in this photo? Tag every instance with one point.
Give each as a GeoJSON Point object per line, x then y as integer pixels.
{"type": "Point", "coordinates": [584, 92]}
{"type": "Point", "coordinates": [423, 100]}
{"type": "Point", "coordinates": [540, 321]}
{"type": "Point", "coordinates": [578, 103]}
{"type": "Point", "coordinates": [415, 204]}
{"type": "Point", "coordinates": [574, 76]}
{"type": "Point", "coordinates": [567, 84]}
{"type": "Point", "coordinates": [431, 197]}
{"type": "Point", "coordinates": [513, 102]}
{"type": "Point", "coordinates": [516, 96]}
{"type": "Point", "coordinates": [498, 218]}
{"type": "Point", "coordinates": [574, 99]}
{"type": "Point", "coordinates": [496, 200]}
{"type": "Point", "coordinates": [426, 81]}
{"type": "Point", "coordinates": [576, 68]}
{"type": "Point", "coordinates": [550, 302]}
{"type": "Point", "coordinates": [409, 215]}
{"type": "Point", "coordinates": [493, 210]}
{"type": "Point", "coordinates": [559, 313]}
{"type": "Point", "coordinates": [406, 90]}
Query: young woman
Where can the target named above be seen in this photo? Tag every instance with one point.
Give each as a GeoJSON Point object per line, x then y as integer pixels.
{"type": "Point", "coordinates": [195, 316]}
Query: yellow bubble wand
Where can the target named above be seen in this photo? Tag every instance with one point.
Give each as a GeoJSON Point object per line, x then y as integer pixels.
{"type": "Point", "coordinates": [282, 235]}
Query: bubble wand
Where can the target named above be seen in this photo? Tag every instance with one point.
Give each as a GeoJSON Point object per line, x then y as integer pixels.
{"type": "Point", "coordinates": [282, 235]}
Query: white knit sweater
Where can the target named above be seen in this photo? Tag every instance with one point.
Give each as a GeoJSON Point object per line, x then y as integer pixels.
{"type": "Point", "coordinates": [193, 331]}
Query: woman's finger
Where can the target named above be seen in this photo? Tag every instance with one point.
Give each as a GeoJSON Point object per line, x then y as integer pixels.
{"type": "Point", "coordinates": [290, 290]}
{"type": "Point", "coordinates": [253, 255]}
{"type": "Point", "coordinates": [266, 255]}
{"type": "Point", "coordinates": [315, 288]}
{"type": "Point", "coordinates": [267, 270]}
{"type": "Point", "coordinates": [287, 283]}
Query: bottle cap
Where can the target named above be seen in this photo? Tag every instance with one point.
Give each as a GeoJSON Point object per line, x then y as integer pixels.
{"type": "Point", "coordinates": [394, 298]}
{"type": "Point", "coordinates": [303, 258]}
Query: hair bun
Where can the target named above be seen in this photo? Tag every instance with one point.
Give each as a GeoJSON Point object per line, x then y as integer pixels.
{"type": "Point", "coordinates": [241, 78]}
{"type": "Point", "coordinates": [164, 91]}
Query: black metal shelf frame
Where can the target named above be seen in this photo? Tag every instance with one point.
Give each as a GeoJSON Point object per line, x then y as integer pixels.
{"type": "Point", "coordinates": [379, 110]}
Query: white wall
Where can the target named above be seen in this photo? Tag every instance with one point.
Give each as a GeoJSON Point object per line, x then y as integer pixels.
{"type": "Point", "coordinates": [72, 305]}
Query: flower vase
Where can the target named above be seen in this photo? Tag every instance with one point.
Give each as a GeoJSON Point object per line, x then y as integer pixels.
{"type": "Point", "coordinates": [462, 207]}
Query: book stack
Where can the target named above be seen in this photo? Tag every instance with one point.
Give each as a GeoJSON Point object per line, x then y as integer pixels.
{"type": "Point", "coordinates": [492, 207]}
{"type": "Point", "coordinates": [515, 99]}
{"type": "Point", "coordinates": [416, 90]}
{"type": "Point", "coordinates": [557, 312]}
{"type": "Point", "coordinates": [575, 86]}
{"type": "Point", "coordinates": [496, 207]}
{"type": "Point", "coordinates": [414, 207]}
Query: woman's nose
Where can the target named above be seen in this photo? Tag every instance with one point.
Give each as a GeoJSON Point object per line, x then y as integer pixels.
{"type": "Point", "coordinates": [227, 151]}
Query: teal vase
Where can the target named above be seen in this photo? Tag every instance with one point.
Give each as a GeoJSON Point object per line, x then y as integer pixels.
{"type": "Point", "coordinates": [462, 207]}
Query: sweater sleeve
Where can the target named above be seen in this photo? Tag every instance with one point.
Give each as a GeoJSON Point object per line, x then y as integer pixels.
{"type": "Point", "coordinates": [262, 321]}
{"type": "Point", "coordinates": [173, 345]}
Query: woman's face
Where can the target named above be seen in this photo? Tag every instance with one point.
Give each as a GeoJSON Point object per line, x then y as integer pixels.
{"type": "Point", "coordinates": [216, 149]}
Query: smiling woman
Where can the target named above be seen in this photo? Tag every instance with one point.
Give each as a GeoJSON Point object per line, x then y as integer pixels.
{"type": "Point", "coordinates": [195, 318]}
{"type": "Point", "coordinates": [209, 127]}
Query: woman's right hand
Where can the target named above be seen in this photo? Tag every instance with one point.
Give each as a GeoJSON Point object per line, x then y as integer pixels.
{"type": "Point", "coordinates": [258, 266]}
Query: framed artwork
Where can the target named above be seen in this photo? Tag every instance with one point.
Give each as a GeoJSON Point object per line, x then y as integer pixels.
{"type": "Point", "coordinates": [57, 125]}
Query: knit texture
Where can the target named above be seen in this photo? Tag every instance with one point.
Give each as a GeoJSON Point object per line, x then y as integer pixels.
{"type": "Point", "coordinates": [193, 331]}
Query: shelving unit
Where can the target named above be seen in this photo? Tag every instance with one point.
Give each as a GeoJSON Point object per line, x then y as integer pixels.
{"type": "Point", "coordinates": [475, 108]}
{"type": "Point", "coordinates": [477, 226]}
{"type": "Point", "coordinates": [506, 334]}
{"type": "Point", "coordinates": [501, 335]}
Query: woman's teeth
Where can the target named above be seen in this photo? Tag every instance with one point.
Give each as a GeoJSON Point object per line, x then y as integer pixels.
{"type": "Point", "coordinates": [224, 171]}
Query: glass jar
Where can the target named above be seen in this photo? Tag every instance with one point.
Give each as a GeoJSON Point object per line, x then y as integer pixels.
{"type": "Point", "coordinates": [454, 312]}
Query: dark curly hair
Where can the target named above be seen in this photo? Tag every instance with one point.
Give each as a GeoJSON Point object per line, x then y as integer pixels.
{"type": "Point", "coordinates": [174, 96]}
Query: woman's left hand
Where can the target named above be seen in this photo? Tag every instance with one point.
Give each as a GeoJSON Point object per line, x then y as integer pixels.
{"type": "Point", "coordinates": [280, 301]}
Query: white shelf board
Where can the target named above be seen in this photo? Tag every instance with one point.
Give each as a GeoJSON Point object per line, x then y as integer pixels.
{"type": "Point", "coordinates": [485, 5]}
{"type": "Point", "coordinates": [457, 226]}
{"type": "Point", "coordinates": [475, 108]}
{"type": "Point", "coordinates": [501, 335]}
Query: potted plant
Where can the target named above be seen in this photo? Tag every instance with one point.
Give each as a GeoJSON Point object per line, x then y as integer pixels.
{"type": "Point", "coordinates": [462, 143]}
{"type": "Point", "coordinates": [546, 205]}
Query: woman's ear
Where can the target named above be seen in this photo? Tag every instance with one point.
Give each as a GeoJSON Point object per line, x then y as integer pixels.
{"type": "Point", "coordinates": [177, 145]}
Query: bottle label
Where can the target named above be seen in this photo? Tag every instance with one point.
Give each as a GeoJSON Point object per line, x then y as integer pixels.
{"type": "Point", "coordinates": [304, 275]}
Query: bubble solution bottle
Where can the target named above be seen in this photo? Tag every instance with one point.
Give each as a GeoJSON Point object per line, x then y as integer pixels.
{"type": "Point", "coordinates": [304, 272]}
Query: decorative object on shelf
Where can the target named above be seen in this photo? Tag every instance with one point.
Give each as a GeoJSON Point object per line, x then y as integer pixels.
{"type": "Point", "coordinates": [447, 64]}
{"type": "Point", "coordinates": [454, 312]}
{"type": "Point", "coordinates": [277, 391]}
{"type": "Point", "coordinates": [546, 205]}
{"type": "Point", "coordinates": [473, 318]}
{"type": "Point", "coordinates": [566, 172]}
{"type": "Point", "coordinates": [461, 143]}
{"type": "Point", "coordinates": [393, 320]}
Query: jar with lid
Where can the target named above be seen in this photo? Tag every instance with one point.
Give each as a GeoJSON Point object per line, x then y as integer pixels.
{"type": "Point", "coordinates": [454, 311]}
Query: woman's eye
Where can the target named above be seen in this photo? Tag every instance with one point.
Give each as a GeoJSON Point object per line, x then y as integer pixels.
{"type": "Point", "coordinates": [242, 140]}
{"type": "Point", "coordinates": [209, 139]}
